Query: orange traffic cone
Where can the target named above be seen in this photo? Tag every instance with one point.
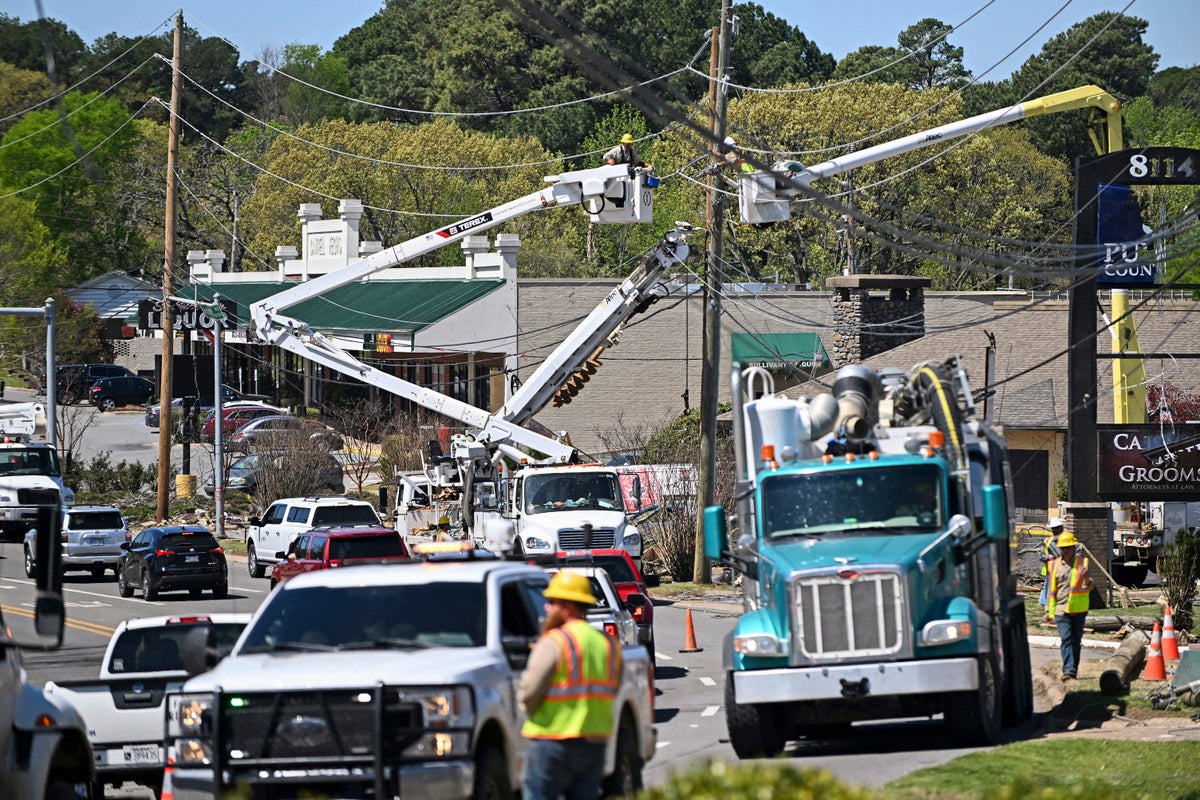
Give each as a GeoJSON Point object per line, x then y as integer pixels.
{"type": "Point", "coordinates": [1155, 670]}
{"type": "Point", "coordinates": [689, 639]}
{"type": "Point", "coordinates": [1170, 645]}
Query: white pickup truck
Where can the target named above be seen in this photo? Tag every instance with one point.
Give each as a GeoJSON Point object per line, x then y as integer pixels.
{"type": "Point", "coordinates": [382, 681]}
{"type": "Point", "coordinates": [123, 708]}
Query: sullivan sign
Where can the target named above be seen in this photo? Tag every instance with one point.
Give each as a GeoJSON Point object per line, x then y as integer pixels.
{"type": "Point", "coordinates": [1148, 462]}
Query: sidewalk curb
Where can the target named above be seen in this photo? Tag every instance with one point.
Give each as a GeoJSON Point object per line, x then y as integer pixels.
{"type": "Point", "coordinates": [1054, 641]}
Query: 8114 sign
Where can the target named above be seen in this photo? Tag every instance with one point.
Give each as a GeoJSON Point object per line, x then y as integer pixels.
{"type": "Point", "coordinates": [1124, 240]}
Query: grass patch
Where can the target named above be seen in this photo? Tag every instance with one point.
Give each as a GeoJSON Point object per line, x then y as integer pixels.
{"type": "Point", "coordinates": [1088, 769]}
{"type": "Point", "coordinates": [670, 591]}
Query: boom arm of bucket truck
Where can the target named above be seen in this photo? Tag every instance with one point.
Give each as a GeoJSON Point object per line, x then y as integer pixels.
{"type": "Point", "coordinates": [610, 194]}
{"type": "Point", "coordinates": [764, 196]}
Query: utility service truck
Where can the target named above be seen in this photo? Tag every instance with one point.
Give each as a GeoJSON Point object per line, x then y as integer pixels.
{"type": "Point", "coordinates": [518, 488]}
{"type": "Point", "coordinates": [27, 471]}
{"type": "Point", "coordinates": [874, 530]}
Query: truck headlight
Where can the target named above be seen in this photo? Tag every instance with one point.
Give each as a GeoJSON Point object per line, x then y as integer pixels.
{"type": "Point", "coordinates": [534, 543]}
{"type": "Point", "coordinates": [443, 707]}
{"type": "Point", "coordinates": [633, 542]}
{"type": "Point", "coordinates": [945, 631]}
{"type": "Point", "coordinates": [758, 644]}
{"type": "Point", "coordinates": [440, 745]}
{"type": "Point", "coordinates": [189, 715]}
{"type": "Point", "coordinates": [193, 752]}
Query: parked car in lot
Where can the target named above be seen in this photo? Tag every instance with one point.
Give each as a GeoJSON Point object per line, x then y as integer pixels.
{"type": "Point", "coordinates": [631, 585]}
{"type": "Point", "coordinates": [244, 474]}
{"type": "Point", "coordinates": [91, 540]}
{"type": "Point", "coordinates": [124, 707]}
{"type": "Point", "coordinates": [236, 416]}
{"type": "Point", "coordinates": [281, 432]}
{"type": "Point", "coordinates": [229, 397]}
{"type": "Point", "coordinates": [170, 559]}
{"type": "Point", "coordinates": [329, 548]}
{"type": "Point", "coordinates": [73, 381]}
{"type": "Point", "coordinates": [129, 390]}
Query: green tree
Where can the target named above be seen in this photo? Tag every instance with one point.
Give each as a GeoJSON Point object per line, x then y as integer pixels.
{"type": "Point", "coordinates": [21, 44]}
{"type": "Point", "coordinates": [20, 90]}
{"type": "Point", "coordinates": [1177, 86]}
{"type": "Point", "coordinates": [309, 67]}
{"type": "Point", "coordinates": [72, 184]}
{"type": "Point", "coordinates": [924, 59]}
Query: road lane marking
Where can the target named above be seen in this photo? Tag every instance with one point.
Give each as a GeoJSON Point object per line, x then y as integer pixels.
{"type": "Point", "coordinates": [661, 745]}
{"type": "Point", "coordinates": [710, 711]}
{"type": "Point", "coordinates": [663, 656]}
{"type": "Point", "coordinates": [708, 681]}
{"type": "Point", "coordinates": [75, 624]}
{"type": "Point", "coordinates": [91, 594]}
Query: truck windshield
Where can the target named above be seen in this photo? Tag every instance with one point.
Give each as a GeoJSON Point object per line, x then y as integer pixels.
{"type": "Point", "coordinates": [556, 491]}
{"type": "Point", "coordinates": [900, 499]}
{"type": "Point", "coordinates": [29, 461]}
{"type": "Point", "coordinates": [328, 618]}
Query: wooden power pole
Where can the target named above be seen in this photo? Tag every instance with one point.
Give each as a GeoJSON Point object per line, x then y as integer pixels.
{"type": "Point", "coordinates": [165, 371]}
{"type": "Point", "coordinates": [710, 370]}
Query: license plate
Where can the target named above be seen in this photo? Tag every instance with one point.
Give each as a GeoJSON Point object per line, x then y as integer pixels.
{"type": "Point", "coordinates": [141, 754]}
{"type": "Point", "coordinates": [96, 540]}
{"type": "Point", "coordinates": [192, 559]}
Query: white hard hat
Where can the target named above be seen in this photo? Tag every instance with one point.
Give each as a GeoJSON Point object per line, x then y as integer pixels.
{"type": "Point", "coordinates": [729, 141]}
{"type": "Point", "coordinates": [1057, 522]}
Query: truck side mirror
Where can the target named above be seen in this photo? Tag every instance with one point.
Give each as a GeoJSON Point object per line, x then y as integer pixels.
{"type": "Point", "coordinates": [516, 650]}
{"type": "Point", "coordinates": [716, 537]}
{"type": "Point", "coordinates": [637, 492]}
{"type": "Point", "coordinates": [995, 516]}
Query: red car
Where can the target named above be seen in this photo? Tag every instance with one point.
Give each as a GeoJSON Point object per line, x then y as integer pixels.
{"type": "Point", "coordinates": [236, 416]}
{"type": "Point", "coordinates": [328, 548]}
{"type": "Point", "coordinates": [631, 586]}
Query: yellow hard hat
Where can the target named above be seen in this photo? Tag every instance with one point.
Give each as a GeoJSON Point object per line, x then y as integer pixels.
{"type": "Point", "coordinates": [1067, 539]}
{"type": "Point", "coordinates": [627, 139]}
{"type": "Point", "coordinates": [571, 585]}
{"type": "Point", "coordinates": [443, 520]}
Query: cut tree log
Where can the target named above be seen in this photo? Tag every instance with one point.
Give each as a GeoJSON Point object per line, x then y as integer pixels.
{"type": "Point", "coordinates": [1128, 659]}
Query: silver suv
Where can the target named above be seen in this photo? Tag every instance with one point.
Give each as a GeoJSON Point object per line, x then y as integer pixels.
{"type": "Point", "coordinates": [91, 540]}
{"type": "Point", "coordinates": [286, 519]}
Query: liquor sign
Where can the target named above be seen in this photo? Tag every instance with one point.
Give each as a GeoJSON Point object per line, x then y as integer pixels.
{"type": "Point", "coordinates": [1148, 462]}
{"type": "Point", "coordinates": [186, 316]}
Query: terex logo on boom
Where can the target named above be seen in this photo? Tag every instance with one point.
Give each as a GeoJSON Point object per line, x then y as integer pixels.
{"type": "Point", "coordinates": [465, 225]}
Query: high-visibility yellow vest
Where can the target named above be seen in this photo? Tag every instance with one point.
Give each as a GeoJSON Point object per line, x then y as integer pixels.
{"type": "Point", "coordinates": [1077, 594]}
{"type": "Point", "coordinates": [1046, 554]}
{"type": "Point", "coordinates": [579, 702]}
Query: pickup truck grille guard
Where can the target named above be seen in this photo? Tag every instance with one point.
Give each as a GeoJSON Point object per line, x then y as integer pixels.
{"type": "Point", "coordinates": [848, 614]}
{"type": "Point", "coordinates": [343, 736]}
{"type": "Point", "coordinates": [576, 539]}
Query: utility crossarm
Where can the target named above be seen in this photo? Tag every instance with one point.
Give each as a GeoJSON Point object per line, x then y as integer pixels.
{"type": "Point", "coordinates": [1081, 97]}
{"type": "Point", "coordinates": [592, 187]}
{"type": "Point", "coordinates": [599, 328]}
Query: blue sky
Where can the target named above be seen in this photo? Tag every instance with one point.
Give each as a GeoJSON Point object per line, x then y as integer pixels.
{"type": "Point", "coordinates": [836, 28]}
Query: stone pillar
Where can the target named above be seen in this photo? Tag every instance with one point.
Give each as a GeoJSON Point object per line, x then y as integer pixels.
{"type": "Point", "coordinates": [866, 325]}
{"type": "Point", "coordinates": [1092, 526]}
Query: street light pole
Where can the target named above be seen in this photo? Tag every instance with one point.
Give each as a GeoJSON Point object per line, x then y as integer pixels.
{"type": "Point", "coordinates": [218, 423]}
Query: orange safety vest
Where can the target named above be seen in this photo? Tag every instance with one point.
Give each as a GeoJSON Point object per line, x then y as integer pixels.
{"type": "Point", "coordinates": [1078, 591]}
{"type": "Point", "coordinates": [579, 702]}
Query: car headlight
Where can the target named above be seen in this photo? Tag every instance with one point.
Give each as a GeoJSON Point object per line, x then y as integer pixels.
{"type": "Point", "coordinates": [442, 707]}
{"type": "Point", "coordinates": [440, 745]}
{"type": "Point", "coordinates": [945, 631]}
{"type": "Point", "coordinates": [6, 498]}
{"type": "Point", "coordinates": [236, 482]}
{"type": "Point", "coordinates": [189, 715]}
{"type": "Point", "coordinates": [758, 644]}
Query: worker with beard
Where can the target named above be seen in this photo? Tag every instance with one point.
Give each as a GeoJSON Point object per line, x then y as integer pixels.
{"type": "Point", "coordinates": [567, 691]}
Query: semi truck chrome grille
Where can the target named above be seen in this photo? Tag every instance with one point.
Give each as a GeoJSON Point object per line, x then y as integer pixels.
{"type": "Point", "coordinates": [841, 618]}
{"type": "Point", "coordinates": [576, 539]}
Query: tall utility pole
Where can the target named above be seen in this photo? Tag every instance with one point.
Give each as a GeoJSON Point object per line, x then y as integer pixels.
{"type": "Point", "coordinates": [168, 319]}
{"type": "Point", "coordinates": [710, 370]}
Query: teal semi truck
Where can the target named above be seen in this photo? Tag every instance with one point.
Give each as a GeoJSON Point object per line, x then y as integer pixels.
{"type": "Point", "coordinates": [873, 529]}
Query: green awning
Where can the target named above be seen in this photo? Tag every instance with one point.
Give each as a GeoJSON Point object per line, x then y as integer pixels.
{"type": "Point", "coordinates": [365, 306]}
{"type": "Point", "coordinates": [779, 350]}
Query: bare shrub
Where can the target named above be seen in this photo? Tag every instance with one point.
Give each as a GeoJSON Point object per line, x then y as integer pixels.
{"type": "Point", "coordinates": [1179, 568]}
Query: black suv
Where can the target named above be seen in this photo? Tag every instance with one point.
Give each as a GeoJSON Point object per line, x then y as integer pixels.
{"type": "Point", "coordinates": [129, 390]}
{"type": "Point", "coordinates": [172, 558]}
{"type": "Point", "coordinates": [73, 381]}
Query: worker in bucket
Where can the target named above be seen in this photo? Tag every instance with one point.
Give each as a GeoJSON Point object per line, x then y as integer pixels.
{"type": "Point", "coordinates": [567, 690]}
{"type": "Point", "coordinates": [624, 153]}
{"type": "Point", "coordinates": [1069, 598]}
